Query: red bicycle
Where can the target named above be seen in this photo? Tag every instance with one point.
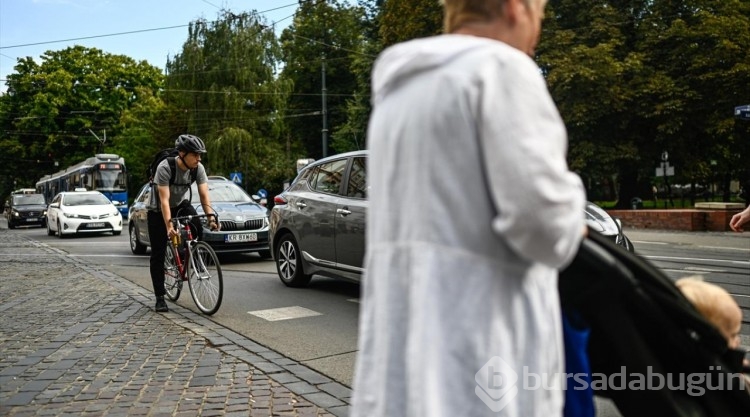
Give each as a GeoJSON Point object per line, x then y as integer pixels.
{"type": "Point", "coordinates": [188, 259]}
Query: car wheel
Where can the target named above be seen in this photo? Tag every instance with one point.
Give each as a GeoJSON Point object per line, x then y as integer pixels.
{"type": "Point", "coordinates": [265, 254]}
{"type": "Point", "coordinates": [59, 230]}
{"type": "Point", "coordinates": [50, 232]}
{"type": "Point", "coordinates": [289, 263]}
{"type": "Point", "coordinates": [135, 246]}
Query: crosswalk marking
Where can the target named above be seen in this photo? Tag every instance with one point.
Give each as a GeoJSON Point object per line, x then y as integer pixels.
{"type": "Point", "coordinates": [284, 313]}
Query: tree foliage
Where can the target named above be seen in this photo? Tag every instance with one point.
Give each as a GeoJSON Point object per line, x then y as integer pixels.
{"type": "Point", "coordinates": [52, 107]}
{"type": "Point", "coordinates": [324, 33]}
{"type": "Point", "coordinates": [225, 86]}
{"type": "Point", "coordinates": [631, 79]}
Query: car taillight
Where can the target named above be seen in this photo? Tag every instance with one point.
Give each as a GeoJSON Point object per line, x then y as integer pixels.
{"type": "Point", "coordinates": [279, 200]}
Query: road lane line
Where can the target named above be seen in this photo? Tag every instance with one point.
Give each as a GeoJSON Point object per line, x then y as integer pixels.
{"type": "Point", "coordinates": [678, 258]}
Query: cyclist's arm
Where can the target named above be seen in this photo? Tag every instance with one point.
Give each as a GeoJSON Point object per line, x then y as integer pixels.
{"type": "Point", "coordinates": [206, 203]}
{"type": "Point", "coordinates": [165, 211]}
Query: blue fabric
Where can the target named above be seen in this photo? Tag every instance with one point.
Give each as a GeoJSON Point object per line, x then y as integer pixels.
{"type": "Point", "coordinates": [579, 396]}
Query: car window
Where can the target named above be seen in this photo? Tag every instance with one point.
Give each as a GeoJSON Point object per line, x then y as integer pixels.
{"type": "Point", "coordinates": [85, 200]}
{"type": "Point", "coordinates": [223, 192]}
{"type": "Point", "coordinates": [329, 176]}
{"type": "Point", "coordinates": [143, 197]}
{"type": "Point", "coordinates": [357, 186]}
{"type": "Point", "coordinates": [27, 199]}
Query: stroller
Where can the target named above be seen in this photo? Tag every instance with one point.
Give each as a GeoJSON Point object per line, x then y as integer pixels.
{"type": "Point", "coordinates": [639, 323]}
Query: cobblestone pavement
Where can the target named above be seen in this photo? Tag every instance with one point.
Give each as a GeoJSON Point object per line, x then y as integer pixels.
{"type": "Point", "coordinates": [79, 341]}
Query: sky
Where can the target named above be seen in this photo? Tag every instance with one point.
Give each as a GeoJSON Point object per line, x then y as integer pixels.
{"type": "Point", "coordinates": [158, 28]}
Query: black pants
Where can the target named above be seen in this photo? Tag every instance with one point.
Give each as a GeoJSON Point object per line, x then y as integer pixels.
{"type": "Point", "coordinates": [157, 235]}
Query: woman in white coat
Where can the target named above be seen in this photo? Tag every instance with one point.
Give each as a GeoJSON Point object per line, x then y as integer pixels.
{"type": "Point", "coordinates": [472, 211]}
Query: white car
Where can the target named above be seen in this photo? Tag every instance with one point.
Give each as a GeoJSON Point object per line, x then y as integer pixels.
{"type": "Point", "coordinates": [73, 212]}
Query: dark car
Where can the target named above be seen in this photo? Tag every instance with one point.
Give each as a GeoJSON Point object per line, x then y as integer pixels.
{"type": "Point", "coordinates": [26, 210]}
{"type": "Point", "coordinates": [244, 222]}
{"type": "Point", "coordinates": [318, 222]}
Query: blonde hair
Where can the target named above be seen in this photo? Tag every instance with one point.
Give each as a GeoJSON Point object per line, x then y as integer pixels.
{"type": "Point", "coordinates": [458, 13]}
{"type": "Point", "coordinates": [713, 302]}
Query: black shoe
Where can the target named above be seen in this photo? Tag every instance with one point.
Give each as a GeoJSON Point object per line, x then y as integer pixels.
{"type": "Point", "coordinates": [161, 305]}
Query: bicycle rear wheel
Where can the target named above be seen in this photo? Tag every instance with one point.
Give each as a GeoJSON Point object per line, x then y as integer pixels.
{"type": "Point", "coordinates": [204, 278]}
{"type": "Point", "coordinates": [172, 280]}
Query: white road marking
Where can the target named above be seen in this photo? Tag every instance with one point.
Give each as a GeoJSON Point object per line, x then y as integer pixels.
{"type": "Point", "coordinates": [284, 313]}
{"type": "Point", "coordinates": [677, 258]}
{"type": "Point", "coordinates": [353, 300]}
{"type": "Point", "coordinates": [699, 269]}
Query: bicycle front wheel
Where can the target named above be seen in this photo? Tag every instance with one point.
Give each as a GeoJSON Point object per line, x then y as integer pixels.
{"type": "Point", "coordinates": [172, 280]}
{"type": "Point", "coordinates": [204, 278]}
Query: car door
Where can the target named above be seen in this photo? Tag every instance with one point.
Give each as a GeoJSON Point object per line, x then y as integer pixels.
{"type": "Point", "coordinates": [139, 214]}
{"type": "Point", "coordinates": [351, 213]}
{"type": "Point", "coordinates": [316, 212]}
{"type": "Point", "coordinates": [53, 211]}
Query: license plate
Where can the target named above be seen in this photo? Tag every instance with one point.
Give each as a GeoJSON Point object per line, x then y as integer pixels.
{"type": "Point", "coordinates": [31, 219]}
{"type": "Point", "coordinates": [241, 237]}
{"type": "Point", "coordinates": [96, 225]}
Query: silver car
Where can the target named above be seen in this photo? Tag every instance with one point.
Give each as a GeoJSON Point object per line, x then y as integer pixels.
{"type": "Point", "coordinates": [244, 222]}
{"type": "Point", "coordinates": [318, 222]}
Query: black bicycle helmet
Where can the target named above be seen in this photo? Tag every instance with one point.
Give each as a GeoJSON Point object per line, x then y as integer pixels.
{"type": "Point", "coordinates": [190, 143]}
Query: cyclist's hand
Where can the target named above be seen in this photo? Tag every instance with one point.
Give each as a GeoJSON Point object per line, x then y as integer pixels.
{"type": "Point", "coordinates": [171, 231]}
{"type": "Point", "coordinates": [213, 224]}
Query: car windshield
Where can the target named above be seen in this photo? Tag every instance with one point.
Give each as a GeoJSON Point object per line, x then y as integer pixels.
{"type": "Point", "coordinates": [223, 193]}
{"type": "Point", "coordinates": [85, 200]}
{"type": "Point", "coordinates": [28, 199]}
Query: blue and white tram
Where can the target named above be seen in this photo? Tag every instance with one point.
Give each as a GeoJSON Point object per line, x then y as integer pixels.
{"type": "Point", "coordinates": [102, 172]}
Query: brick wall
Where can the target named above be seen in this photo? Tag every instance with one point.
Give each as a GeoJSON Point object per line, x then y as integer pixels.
{"type": "Point", "coordinates": [685, 219]}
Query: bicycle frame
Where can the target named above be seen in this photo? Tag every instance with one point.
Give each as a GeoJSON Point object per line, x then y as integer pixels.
{"type": "Point", "coordinates": [197, 264]}
{"type": "Point", "coordinates": [189, 241]}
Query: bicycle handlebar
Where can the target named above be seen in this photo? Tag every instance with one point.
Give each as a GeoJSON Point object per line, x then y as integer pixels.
{"type": "Point", "coordinates": [182, 219]}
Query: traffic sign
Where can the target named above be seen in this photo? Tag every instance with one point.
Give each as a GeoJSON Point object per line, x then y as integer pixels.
{"type": "Point", "coordinates": [262, 193]}
{"type": "Point", "coordinates": [742, 112]}
{"type": "Point", "coordinates": [660, 171]}
{"type": "Point", "coordinates": [236, 177]}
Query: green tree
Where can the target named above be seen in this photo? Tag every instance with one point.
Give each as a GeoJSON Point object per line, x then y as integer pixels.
{"type": "Point", "coordinates": [323, 33]}
{"type": "Point", "coordinates": [52, 107]}
{"type": "Point", "coordinates": [403, 20]}
{"type": "Point", "coordinates": [225, 86]}
{"type": "Point", "coordinates": [634, 78]}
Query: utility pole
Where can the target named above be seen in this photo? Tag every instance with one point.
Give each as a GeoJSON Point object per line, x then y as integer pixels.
{"type": "Point", "coordinates": [324, 131]}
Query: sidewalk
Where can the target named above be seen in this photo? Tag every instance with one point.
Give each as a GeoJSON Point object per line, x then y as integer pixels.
{"type": "Point", "coordinates": [76, 340]}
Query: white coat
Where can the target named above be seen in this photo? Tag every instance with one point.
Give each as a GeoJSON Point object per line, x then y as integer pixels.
{"type": "Point", "coordinates": [472, 211]}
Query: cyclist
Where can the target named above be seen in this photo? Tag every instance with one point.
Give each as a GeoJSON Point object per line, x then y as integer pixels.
{"type": "Point", "coordinates": [171, 198]}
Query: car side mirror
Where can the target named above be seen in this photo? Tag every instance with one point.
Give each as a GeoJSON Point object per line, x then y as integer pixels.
{"type": "Point", "coordinates": [55, 205]}
{"type": "Point", "coordinates": [255, 198]}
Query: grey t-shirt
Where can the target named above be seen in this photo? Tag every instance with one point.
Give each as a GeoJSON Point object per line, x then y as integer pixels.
{"type": "Point", "coordinates": [180, 190]}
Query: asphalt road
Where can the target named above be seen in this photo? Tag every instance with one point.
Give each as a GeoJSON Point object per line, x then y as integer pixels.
{"type": "Point", "coordinates": [318, 325]}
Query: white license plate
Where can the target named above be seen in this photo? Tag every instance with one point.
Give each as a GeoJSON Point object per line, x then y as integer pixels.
{"type": "Point", "coordinates": [96, 225]}
{"type": "Point", "coordinates": [32, 219]}
{"type": "Point", "coordinates": [241, 237]}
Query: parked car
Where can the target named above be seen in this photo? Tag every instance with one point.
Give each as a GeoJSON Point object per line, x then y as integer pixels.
{"type": "Point", "coordinates": [244, 222]}
{"type": "Point", "coordinates": [26, 209]}
{"type": "Point", "coordinates": [318, 222]}
{"type": "Point", "coordinates": [599, 220]}
{"type": "Point", "coordinates": [82, 212]}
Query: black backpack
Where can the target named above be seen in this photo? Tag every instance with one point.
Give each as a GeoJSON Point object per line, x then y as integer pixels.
{"type": "Point", "coordinates": [169, 154]}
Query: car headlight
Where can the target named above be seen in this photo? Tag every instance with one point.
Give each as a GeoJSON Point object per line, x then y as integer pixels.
{"type": "Point", "coordinates": [15, 213]}
{"type": "Point", "coordinates": [44, 213]}
{"type": "Point", "coordinates": [70, 215]}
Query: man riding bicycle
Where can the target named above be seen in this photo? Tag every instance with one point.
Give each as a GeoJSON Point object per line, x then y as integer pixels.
{"type": "Point", "coordinates": [170, 197]}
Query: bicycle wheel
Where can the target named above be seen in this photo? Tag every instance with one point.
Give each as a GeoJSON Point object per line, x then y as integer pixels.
{"type": "Point", "coordinates": [204, 278]}
{"type": "Point", "coordinates": [172, 280]}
